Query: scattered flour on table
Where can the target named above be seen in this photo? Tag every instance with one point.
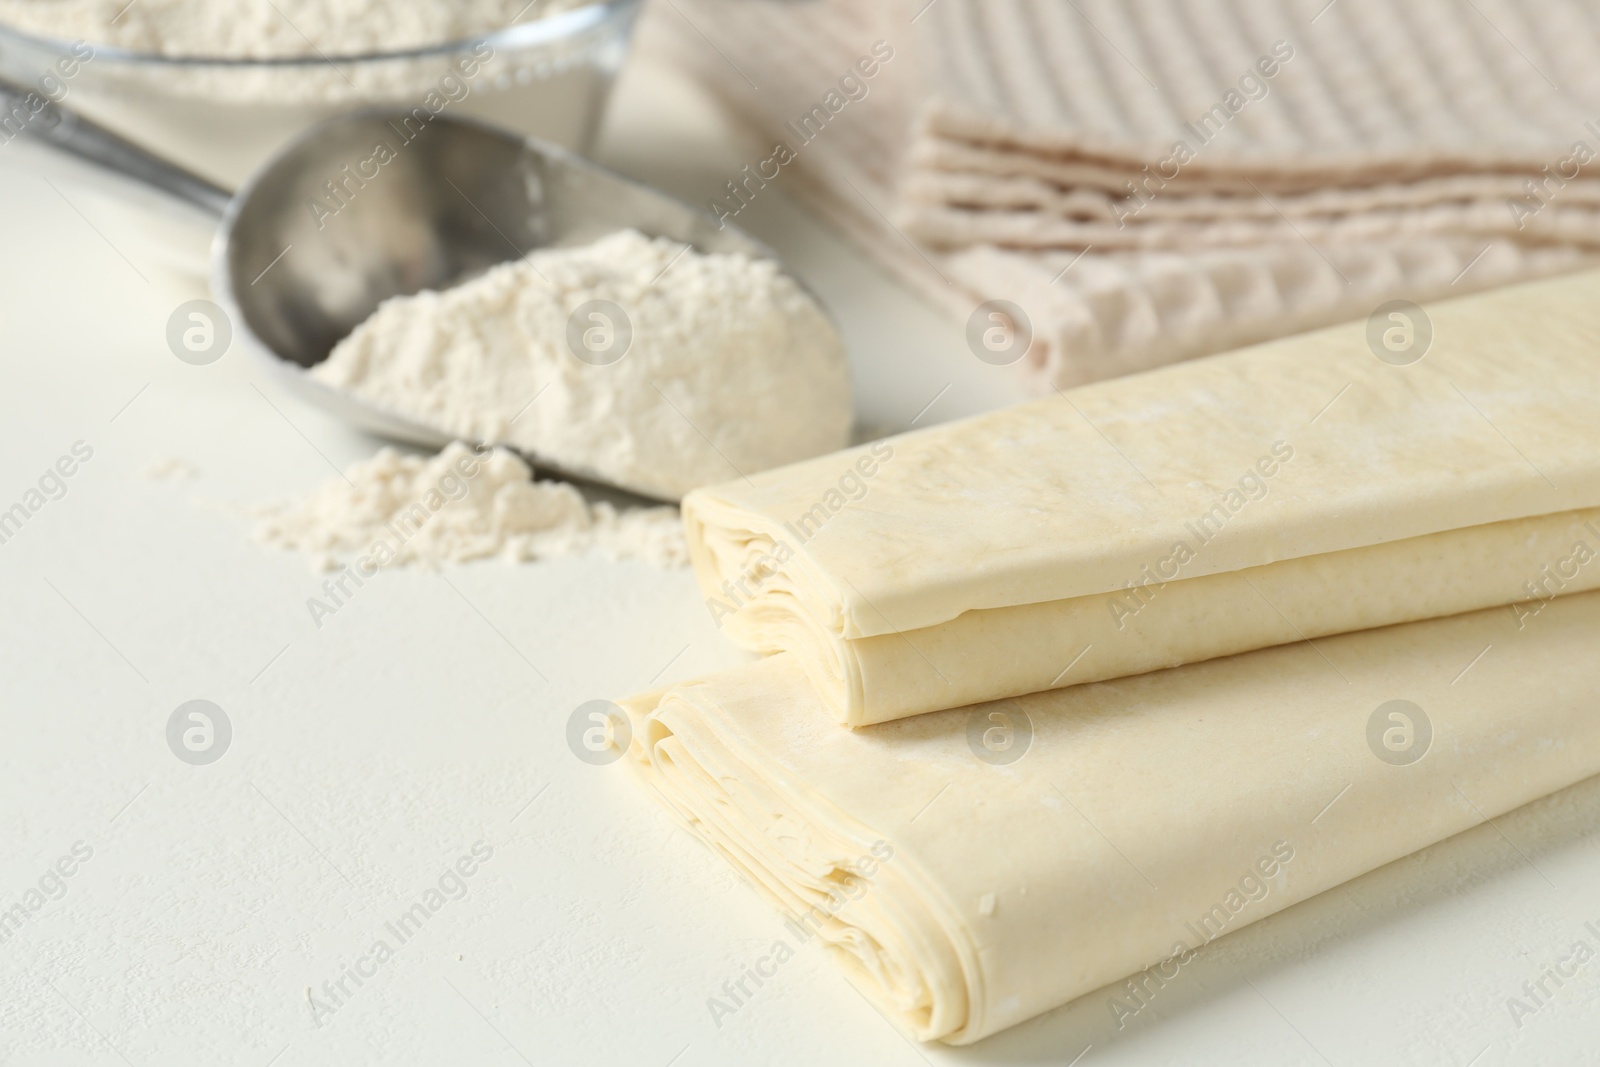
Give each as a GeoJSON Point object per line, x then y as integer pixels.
{"type": "Point", "coordinates": [462, 504]}
{"type": "Point", "coordinates": [719, 366]}
{"type": "Point", "coordinates": [251, 29]}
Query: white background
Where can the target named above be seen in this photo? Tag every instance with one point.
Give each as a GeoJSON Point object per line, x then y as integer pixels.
{"type": "Point", "coordinates": [429, 714]}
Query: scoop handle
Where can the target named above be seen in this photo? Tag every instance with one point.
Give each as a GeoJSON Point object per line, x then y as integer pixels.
{"type": "Point", "coordinates": [26, 112]}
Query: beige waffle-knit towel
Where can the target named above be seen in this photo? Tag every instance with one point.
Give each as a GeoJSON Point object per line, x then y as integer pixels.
{"type": "Point", "coordinates": [1152, 180]}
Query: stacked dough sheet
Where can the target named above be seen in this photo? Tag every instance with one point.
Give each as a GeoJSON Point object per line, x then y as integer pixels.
{"type": "Point", "coordinates": [1296, 489]}
{"type": "Point", "coordinates": [975, 866]}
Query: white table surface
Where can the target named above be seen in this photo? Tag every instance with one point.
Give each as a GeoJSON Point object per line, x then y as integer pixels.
{"type": "Point", "coordinates": [429, 714]}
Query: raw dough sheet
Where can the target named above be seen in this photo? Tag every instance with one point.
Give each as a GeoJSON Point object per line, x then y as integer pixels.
{"type": "Point", "coordinates": [972, 868]}
{"type": "Point", "coordinates": [1296, 489]}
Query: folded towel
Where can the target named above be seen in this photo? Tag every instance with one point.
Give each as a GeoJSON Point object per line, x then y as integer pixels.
{"type": "Point", "coordinates": [1157, 180]}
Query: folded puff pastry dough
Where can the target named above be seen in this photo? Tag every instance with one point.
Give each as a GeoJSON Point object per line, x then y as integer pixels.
{"type": "Point", "coordinates": [1145, 817]}
{"type": "Point", "coordinates": [1292, 490]}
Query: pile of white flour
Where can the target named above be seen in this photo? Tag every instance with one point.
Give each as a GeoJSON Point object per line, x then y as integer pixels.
{"type": "Point", "coordinates": [254, 29]}
{"type": "Point", "coordinates": [638, 361]}
{"type": "Point", "coordinates": [462, 504]}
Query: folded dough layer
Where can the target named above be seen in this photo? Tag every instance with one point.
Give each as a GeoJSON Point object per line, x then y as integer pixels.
{"type": "Point", "coordinates": [1129, 822]}
{"type": "Point", "coordinates": [977, 560]}
{"type": "Point", "coordinates": [993, 653]}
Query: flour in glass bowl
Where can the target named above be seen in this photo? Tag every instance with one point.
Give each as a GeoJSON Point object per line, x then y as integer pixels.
{"type": "Point", "coordinates": [718, 365]}
{"type": "Point", "coordinates": [259, 29]}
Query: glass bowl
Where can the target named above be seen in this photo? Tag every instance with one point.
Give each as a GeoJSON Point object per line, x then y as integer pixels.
{"type": "Point", "coordinates": [549, 77]}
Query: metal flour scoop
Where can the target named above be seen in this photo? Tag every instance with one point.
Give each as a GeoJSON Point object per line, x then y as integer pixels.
{"type": "Point", "coordinates": [451, 198]}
